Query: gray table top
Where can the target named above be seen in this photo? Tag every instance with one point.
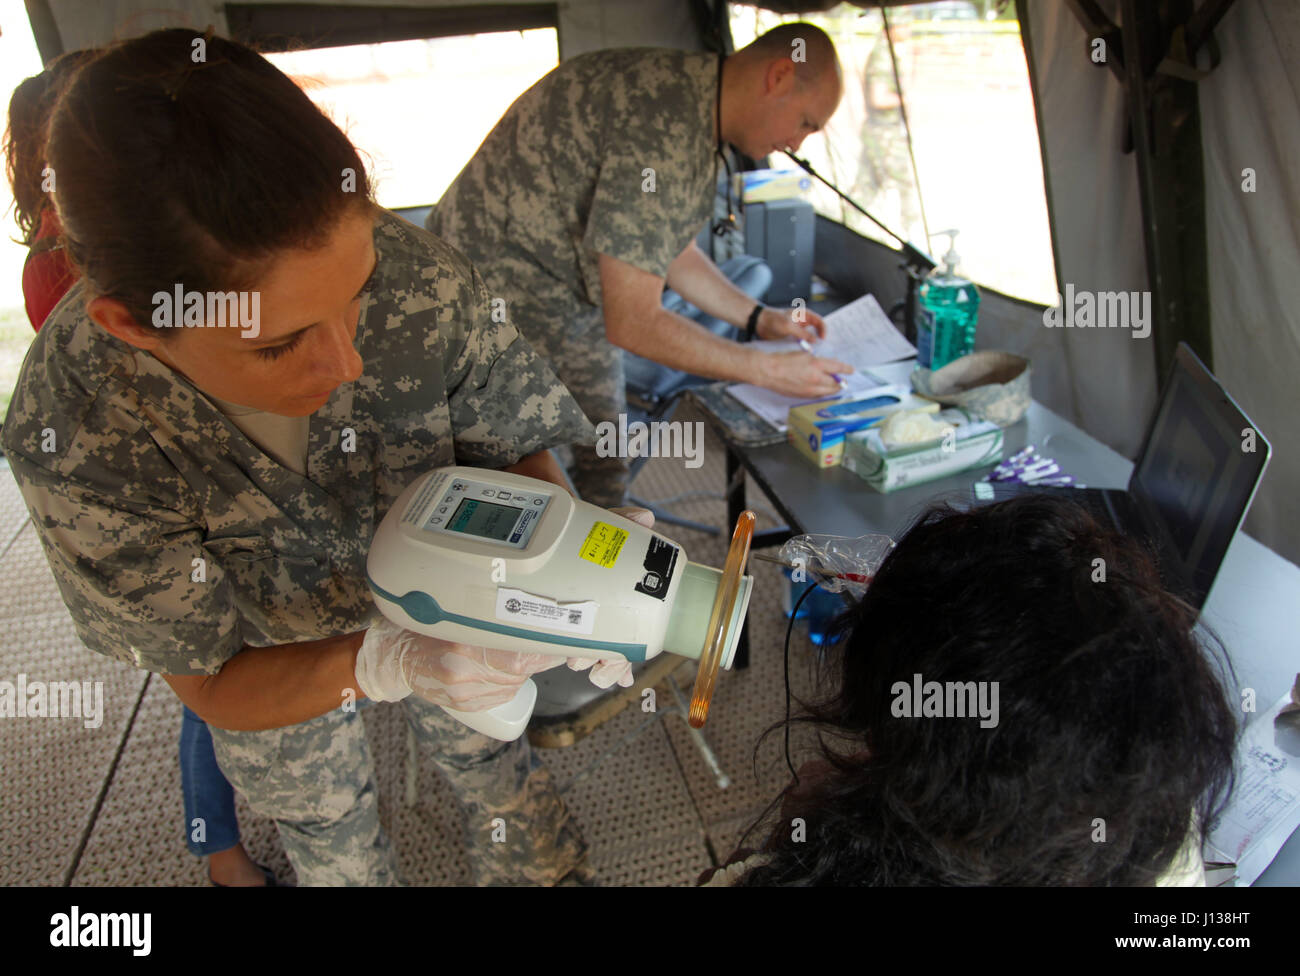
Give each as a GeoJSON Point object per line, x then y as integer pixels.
{"type": "Point", "coordinates": [838, 502]}
{"type": "Point", "coordinates": [1252, 607]}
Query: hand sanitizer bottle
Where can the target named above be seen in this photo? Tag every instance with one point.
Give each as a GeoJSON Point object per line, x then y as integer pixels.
{"type": "Point", "coordinates": [949, 304]}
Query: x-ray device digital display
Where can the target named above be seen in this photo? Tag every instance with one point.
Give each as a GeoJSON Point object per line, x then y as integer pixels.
{"type": "Point", "coordinates": [494, 559]}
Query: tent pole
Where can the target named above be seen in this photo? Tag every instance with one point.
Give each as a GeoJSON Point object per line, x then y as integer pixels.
{"type": "Point", "coordinates": [45, 30]}
{"type": "Point", "coordinates": [1165, 116]}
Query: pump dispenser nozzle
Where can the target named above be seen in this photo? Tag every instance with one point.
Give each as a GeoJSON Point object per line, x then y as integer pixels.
{"type": "Point", "coordinates": [951, 258]}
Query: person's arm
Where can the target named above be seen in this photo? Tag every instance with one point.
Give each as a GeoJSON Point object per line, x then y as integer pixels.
{"type": "Point", "coordinates": [636, 320]}
{"type": "Point", "coordinates": [273, 687]}
{"type": "Point", "coordinates": [125, 573]}
{"type": "Point", "coordinates": [701, 282]}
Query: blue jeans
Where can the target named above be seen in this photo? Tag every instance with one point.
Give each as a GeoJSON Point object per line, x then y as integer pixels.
{"type": "Point", "coordinates": [208, 797]}
{"type": "Point", "coordinates": [656, 381]}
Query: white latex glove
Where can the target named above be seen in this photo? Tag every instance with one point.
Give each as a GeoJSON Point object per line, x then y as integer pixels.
{"type": "Point", "coordinates": [912, 427]}
{"type": "Point", "coordinates": [394, 662]}
{"type": "Point", "coordinates": [605, 674]}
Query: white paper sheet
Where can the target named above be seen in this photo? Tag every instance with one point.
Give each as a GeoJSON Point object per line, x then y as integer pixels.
{"type": "Point", "coordinates": [775, 408]}
{"type": "Point", "coordinates": [1265, 804]}
{"type": "Point", "coordinates": [858, 333]}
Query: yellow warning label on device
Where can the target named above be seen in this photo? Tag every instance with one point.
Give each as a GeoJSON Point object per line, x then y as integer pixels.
{"type": "Point", "coordinates": [603, 544]}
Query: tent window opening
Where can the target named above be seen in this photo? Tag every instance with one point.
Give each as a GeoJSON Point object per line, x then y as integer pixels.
{"type": "Point", "coordinates": [936, 130]}
{"type": "Point", "coordinates": [418, 109]}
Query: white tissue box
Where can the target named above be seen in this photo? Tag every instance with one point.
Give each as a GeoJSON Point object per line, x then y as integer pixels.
{"type": "Point", "coordinates": [817, 430]}
{"type": "Point", "coordinates": [974, 443]}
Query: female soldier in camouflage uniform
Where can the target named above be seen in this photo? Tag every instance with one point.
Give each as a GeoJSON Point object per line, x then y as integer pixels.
{"type": "Point", "coordinates": [206, 496]}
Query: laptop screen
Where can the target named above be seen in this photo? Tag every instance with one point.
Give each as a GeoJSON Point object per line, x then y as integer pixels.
{"type": "Point", "coordinates": [1196, 476]}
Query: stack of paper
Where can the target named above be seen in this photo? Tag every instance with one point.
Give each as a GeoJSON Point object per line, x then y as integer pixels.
{"type": "Point", "coordinates": [1265, 805]}
{"type": "Point", "coordinates": [859, 334]}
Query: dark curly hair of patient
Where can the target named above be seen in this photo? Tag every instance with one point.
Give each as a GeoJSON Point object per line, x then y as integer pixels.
{"type": "Point", "coordinates": [1112, 718]}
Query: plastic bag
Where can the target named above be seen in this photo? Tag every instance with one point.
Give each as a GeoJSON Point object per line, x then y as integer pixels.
{"type": "Point", "coordinates": [836, 562]}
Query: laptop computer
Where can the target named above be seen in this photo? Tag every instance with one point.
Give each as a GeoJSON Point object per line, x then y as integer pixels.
{"type": "Point", "coordinates": [1193, 482]}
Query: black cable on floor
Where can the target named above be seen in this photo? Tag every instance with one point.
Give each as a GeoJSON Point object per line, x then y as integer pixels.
{"type": "Point", "coordinates": [794, 613]}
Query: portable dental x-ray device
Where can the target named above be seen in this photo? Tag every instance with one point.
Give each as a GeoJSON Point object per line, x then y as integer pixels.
{"type": "Point", "coordinates": [499, 560]}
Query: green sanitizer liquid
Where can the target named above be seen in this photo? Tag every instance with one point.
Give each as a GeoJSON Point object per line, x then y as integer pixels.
{"type": "Point", "coordinates": [945, 329]}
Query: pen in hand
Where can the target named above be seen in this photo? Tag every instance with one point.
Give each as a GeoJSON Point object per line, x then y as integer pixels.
{"type": "Point", "coordinates": [807, 347]}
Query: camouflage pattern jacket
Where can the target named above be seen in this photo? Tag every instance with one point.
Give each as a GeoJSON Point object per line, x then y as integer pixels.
{"type": "Point", "coordinates": [610, 153]}
{"type": "Point", "coordinates": [175, 540]}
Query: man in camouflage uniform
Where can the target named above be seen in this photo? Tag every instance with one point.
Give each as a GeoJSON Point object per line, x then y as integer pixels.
{"type": "Point", "coordinates": [587, 196]}
{"type": "Point", "coordinates": [179, 544]}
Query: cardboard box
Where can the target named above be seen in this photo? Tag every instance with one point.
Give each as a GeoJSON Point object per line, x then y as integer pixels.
{"type": "Point", "coordinates": [818, 429]}
{"type": "Point", "coordinates": [974, 443]}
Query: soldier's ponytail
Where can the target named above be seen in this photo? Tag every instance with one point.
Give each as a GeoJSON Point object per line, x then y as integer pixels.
{"type": "Point", "coordinates": [183, 157]}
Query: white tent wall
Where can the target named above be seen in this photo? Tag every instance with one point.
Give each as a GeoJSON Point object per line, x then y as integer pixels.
{"type": "Point", "coordinates": [1250, 117]}
{"type": "Point", "coordinates": [1250, 114]}
{"type": "Point", "coordinates": [1097, 216]}
{"type": "Point", "coordinates": [584, 25]}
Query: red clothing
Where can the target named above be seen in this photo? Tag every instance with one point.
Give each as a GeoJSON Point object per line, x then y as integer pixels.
{"type": "Point", "coordinates": [47, 273]}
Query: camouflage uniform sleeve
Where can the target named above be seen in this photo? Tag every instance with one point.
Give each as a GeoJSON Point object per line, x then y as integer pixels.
{"type": "Point", "coordinates": [644, 188]}
{"type": "Point", "coordinates": [505, 402]}
{"type": "Point", "coordinates": [129, 576]}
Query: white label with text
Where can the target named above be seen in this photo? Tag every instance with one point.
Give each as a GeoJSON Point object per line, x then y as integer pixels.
{"type": "Point", "coordinates": [527, 609]}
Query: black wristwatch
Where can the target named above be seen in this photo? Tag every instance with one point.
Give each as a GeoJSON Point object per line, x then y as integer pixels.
{"type": "Point", "coordinates": [752, 324]}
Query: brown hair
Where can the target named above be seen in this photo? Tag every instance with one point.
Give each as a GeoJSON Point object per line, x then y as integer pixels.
{"type": "Point", "coordinates": [24, 140]}
{"type": "Point", "coordinates": [173, 170]}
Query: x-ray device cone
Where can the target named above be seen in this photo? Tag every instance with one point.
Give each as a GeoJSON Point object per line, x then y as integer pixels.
{"type": "Point", "coordinates": [494, 559]}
